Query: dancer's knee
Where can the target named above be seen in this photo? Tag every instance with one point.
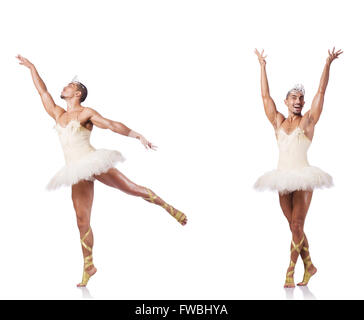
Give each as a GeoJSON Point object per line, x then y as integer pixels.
{"type": "Point", "coordinates": [297, 228]}
{"type": "Point", "coordinates": [83, 224]}
{"type": "Point", "coordinates": [290, 225]}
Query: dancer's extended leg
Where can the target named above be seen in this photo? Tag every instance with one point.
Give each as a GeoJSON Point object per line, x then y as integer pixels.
{"type": "Point", "coordinates": [114, 178]}
{"type": "Point", "coordinates": [82, 197]}
{"type": "Point", "coordinates": [301, 201]}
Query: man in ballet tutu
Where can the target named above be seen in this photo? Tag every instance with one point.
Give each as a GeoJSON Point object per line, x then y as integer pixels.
{"type": "Point", "coordinates": [84, 163]}
{"type": "Point", "coordinates": [294, 178]}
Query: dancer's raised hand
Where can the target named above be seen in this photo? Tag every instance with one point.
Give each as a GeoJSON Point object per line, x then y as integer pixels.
{"type": "Point", "coordinates": [24, 61]}
{"type": "Point", "coordinates": [333, 55]}
{"type": "Point", "coordinates": [147, 144]}
{"type": "Point", "coordinates": [261, 57]}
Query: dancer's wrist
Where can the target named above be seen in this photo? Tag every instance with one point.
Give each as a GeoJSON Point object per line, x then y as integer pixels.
{"type": "Point", "coordinates": [134, 134]}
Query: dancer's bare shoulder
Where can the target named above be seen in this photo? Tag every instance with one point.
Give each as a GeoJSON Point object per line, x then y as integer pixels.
{"type": "Point", "coordinates": [92, 117]}
{"type": "Point", "coordinates": [88, 112]}
{"type": "Point", "coordinates": [279, 120]}
{"type": "Point", "coordinates": [85, 117]}
{"type": "Point", "coordinates": [58, 112]}
{"type": "Point", "coordinates": [308, 125]}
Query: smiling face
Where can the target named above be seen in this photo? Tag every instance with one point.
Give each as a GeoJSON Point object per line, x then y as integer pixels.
{"type": "Point", "coordinates": [295, 101]}
{"type": "Point", "coordinates": [70, 91]}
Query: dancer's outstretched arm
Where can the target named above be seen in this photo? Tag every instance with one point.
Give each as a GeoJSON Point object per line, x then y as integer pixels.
{"type": "Point", "coordinates": [53, 110]}
{"type": "Point", "coordinates": [269, 105]}
{"type": "Point", "coordinates": [115, 126]}
{"type": "Point", "coordinates": [318, 100]}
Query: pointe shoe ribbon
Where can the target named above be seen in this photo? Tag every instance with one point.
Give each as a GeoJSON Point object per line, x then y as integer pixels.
{"type": "Point", "coordinates": [307, 275]}
{"type": "Point", "coordinates": [289, 275]}
{"type": "Point", "coordinates": [87, 261]}
{"type": "Point", "coordinates": [178, 215]}
{"type": "Point", "coordinates": [296, 247]}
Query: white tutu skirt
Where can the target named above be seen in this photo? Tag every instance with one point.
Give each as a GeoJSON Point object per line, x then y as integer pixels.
{"type": "Point", "coordinates": [93, 163]}
{"type": "Point", "coordinates": [286, 181]}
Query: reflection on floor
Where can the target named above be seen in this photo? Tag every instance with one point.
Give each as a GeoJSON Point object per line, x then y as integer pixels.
{"type": "Point", "coordinates": [307, 294]}
{"type": "Point", "coordinates": [85, 293]}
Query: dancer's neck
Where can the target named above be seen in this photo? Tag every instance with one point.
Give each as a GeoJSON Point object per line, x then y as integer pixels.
{"type": "Point", "coordinates": [292, 117]}
{"type": "Point", "coordinates": [73, 105]}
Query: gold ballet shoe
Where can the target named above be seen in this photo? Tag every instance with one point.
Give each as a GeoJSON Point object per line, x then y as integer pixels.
{"type": "Point", "coordinates": [87, 261]}
{"type": "Point", "coordinates": [178, 215]}
{"type": "Point", "coordinates": [289, 276]}
{"type": "Point", "coordinates": [307, 275]}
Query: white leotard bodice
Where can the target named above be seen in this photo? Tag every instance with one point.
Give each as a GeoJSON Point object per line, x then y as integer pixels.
{"type": "Point", "coordinates": [293, 172]}
{"type": "Point", "coordinates": [75, 140]}
{"type": "Point", "coordinates": [83, 161]}
{"type": "Point", "coordinates": [292, 149]}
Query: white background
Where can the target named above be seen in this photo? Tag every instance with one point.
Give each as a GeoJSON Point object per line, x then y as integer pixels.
{"type": "Point", "coordinates": [184, 74]}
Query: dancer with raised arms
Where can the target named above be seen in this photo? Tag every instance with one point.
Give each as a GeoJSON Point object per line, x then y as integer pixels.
{"type": "Point", "coordinates": [295, 179]}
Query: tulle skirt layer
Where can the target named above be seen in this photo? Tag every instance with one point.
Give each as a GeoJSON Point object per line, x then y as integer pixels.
{"type": "Point", "coordinates": [286, 181]}
{"type": "Point", "coordinates": [93, 163]}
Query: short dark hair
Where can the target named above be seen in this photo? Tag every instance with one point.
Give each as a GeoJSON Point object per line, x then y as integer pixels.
{"type": "Point", "coordinates": [83, 90]}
